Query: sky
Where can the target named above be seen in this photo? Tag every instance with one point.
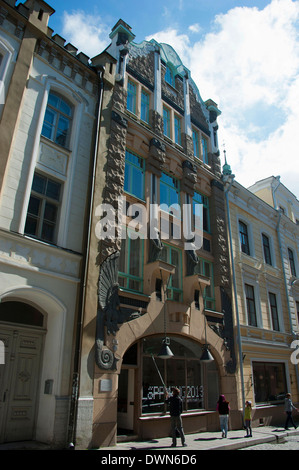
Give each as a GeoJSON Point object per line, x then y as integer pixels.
{"type": "Point", "coordinates": [244, 55]}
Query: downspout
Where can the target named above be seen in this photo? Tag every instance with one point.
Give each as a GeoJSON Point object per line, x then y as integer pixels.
{"type": "Point", "coordinates": [294, 335]}
{"type": "Point", "coordinates": [226, 191]}
{"type": "Point", "coordinates": [76, 373]}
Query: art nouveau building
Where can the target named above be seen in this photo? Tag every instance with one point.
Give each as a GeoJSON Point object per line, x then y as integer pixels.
{"type": "Point", "coordinates": [49, 97]}
{"type": "Point", "coordinates": [157, 145]}
{"type": "Point", "coordinates": [264, 277]}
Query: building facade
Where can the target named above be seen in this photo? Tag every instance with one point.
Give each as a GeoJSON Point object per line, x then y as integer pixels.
{"type": "Point", "coordinates": [266, 323]}
{"type": "Point", "coordinates": [49, 97]}
{"type": "Point", "coordinates": [158, 148]}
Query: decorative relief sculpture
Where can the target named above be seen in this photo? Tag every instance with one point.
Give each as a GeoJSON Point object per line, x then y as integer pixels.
{"type": "Point", "coordinates": [110, 314]}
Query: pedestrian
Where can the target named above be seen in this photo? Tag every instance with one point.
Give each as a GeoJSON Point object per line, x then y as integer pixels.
{"type": "Point", "coordinates": [288, 408]}
{"type": "Point", "coordinates": [223, 409]}
{"type": "Point", "coordinates": [248, 418]}
{"type": "Point", "coordinates": [175, 408]}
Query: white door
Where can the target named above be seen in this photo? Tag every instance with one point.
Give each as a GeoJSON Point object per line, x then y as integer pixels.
{"type": "Point", "coordinates": [19, 381]}
{"type": "Point", "coordinates": [125, 405]}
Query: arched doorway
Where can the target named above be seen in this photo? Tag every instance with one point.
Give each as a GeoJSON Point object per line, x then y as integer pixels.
{"type": "Point", "coordinates": [22, 327]}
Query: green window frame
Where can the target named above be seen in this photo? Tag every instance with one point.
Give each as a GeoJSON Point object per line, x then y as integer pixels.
{"type": "Point", "coordinates": [169, 190]}
{"type": "Point", "coordinates": [145, 100]}
{"type": "Point", "coordinates": [206, 268]}
{"type": "Point", "coordinates": [204, 146]}
{"type": "Point", "coordinates": [169, 76]}
{"type": "Point", "coordinates": [199, 198]}
{"type": "Point", "coordinates": [130, 272]}
{"type": "Point", "coordinates": [166, 122]}
{"type": "Point", "coordinates": [195, 138]}
{"type": "Point", "coordinates": [134, 175]}
{"type": "Point", "coordinates": [131, 96]}
{"type": "Point", "coordinates": [173, 256]}
{"type": "Point", "coordinates": [177, 130]}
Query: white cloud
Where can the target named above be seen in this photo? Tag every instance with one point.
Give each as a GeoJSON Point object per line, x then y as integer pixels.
{"type": "Point", "coordinates": [194, 28]}
{"type": "Point", "coordinates": [249, 65]}
{"type": "Point", "coordinates": [86, 32]}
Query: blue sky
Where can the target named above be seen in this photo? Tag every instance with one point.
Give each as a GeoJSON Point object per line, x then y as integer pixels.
{"type": "Point", "coordinates": [242, 54]}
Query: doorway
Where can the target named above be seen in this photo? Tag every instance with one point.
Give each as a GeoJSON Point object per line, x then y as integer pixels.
{"type": "Point", "coordinates": [20, 374]}
{"type": "Point", "coordinates": [125, 403]}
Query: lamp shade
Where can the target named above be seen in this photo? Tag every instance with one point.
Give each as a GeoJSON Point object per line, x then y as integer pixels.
{"type": "Point", "coordinates": [206, 355]}
{"type": "Point", "coordinates": [165, 352]}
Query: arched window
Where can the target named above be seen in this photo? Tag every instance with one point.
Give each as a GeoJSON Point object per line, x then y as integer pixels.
{"type": "Point", "coordinates": [57, 121]}
{"type": "Point", "coordinates": [19, 312]}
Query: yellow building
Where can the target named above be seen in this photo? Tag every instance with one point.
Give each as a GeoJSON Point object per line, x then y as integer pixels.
{"type": "Point", "coordinates": [266, 323]}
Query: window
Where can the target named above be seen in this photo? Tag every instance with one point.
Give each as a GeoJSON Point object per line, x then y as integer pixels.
{"type": "Point", "coordinates": [166, 122]}
{"type": "Point", "coordinates": [204, 200]}
{"type": "Point", "coordinates": [169, 190]}
{"type": "Point", "coordinates": [185, 372]}
{"type": "Point", "coordinates": [43, 208]}
{"type": "Point", "coordinates": [169, 76]}
{"type": "Point", "coordinates": [195, 137]}
{"type": "Point", "coordinates": [206, 269]}
{"type": "Point", "coordinates": [266, 248]}
{"type": "Point", "coordinates": [269, 381]}
{"type": "Point", "coordinates": [174, 256]}
{"type": "Point", "coordinates": [204, 146]}
{"type": "Point", "coordinates": [131, 97]}
{"type": "Point", "coordinates": [145, 100]}
{"type": "Point", "coordinates": [131, 264]}
{"type": "Point", "coordinates": [274, 311]}
{"type": "Point", "coordinates": [250, 303]}
{"type": "Point", "coordinates": [177, 130]}
{"type": "Point", "coordinates": [244, 240]}
{"type": "Point", "coordinates": [292, 262]}
{"type": "Point", "coordinates": [134, 175]}
{"type": "Point", "coordinates": [57, 121]}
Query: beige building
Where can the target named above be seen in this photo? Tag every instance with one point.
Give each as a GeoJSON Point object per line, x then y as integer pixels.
{"type": "Point", "coordinates": [266, 323]}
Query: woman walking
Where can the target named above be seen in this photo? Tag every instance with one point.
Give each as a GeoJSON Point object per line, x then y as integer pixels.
{"type": "Point", "coordinates": [223, 410]}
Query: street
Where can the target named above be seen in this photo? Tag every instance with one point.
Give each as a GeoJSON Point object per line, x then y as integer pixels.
{"type": "Point", "coordinates": [286, 443]}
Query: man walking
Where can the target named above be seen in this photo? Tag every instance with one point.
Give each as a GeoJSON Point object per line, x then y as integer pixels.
{"type": "Point", "coordinates": [288, 408]}
{"type": "Point", "coordinates": [175, 408]}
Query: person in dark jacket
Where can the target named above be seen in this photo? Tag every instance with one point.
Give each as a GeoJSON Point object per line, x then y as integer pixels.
{"type": "Point", "coordinates": [175, 409]}
{"type": "Point", "coordinates": [223, 410]}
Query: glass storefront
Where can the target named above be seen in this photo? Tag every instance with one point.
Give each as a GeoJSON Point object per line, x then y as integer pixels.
{"type": "Point", "coordinates": [269, 382]}
{"type": "Point", "coordinates": [197, 382]}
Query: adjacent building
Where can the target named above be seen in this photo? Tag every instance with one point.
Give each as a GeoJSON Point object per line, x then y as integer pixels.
{"type": "Point", "coordinates": [264, 253]}
{"type": "Point", "coordinates": [49, 98]}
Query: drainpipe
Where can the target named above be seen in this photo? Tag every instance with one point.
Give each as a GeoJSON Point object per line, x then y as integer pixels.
{"type": "Point", "coordinates": [294, 335]}
{"type": "Point", "coordinates": [76, 373]}
{"type": "Point", "coordinates": [226, 191]}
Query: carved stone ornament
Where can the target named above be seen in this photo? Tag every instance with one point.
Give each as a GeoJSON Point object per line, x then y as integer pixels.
{"type": "Point", "coordinates": [109, 314]}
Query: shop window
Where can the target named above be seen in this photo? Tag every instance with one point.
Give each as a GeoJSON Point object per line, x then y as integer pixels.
{"type": "Point", "coordinates": [185, 372]}
{"type": "Point", "coordinates": [134, 175]}
{"type": "Point", "coordinates": [131, 264]}
{"type": "Point", "coordinates": [43, 208]}
{"type": "Point", "coordinates": [57, 120]}
{"type": "Point", "coordinates": [269, 382]}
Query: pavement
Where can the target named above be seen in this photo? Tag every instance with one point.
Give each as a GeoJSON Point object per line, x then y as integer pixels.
{"type": "Point", "coordinates": [195, 442]}
{"type": "Point", "coordinates": [209, 440]}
